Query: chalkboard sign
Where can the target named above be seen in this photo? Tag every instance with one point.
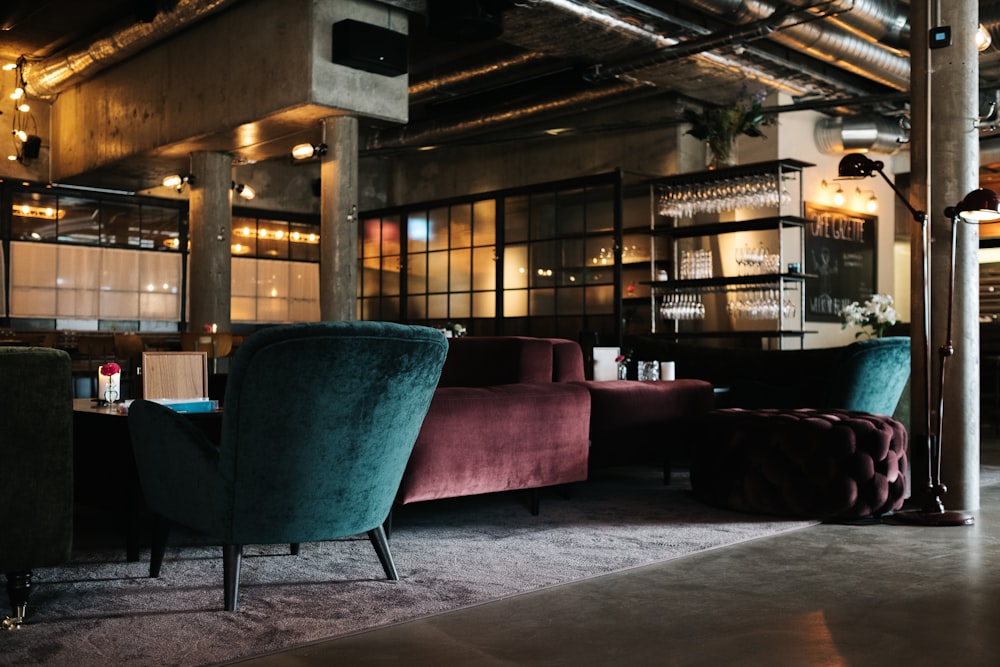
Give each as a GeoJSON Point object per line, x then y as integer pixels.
{"type": "Point", "coordinates": [841, 254]}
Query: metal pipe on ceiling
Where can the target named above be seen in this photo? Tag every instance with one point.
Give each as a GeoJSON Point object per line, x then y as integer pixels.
{"type": "Point", "coordinates": [435, 133]}
{"type": "Point", "coordinates": [44, 79]}
{"type": "Point", "coordinates": [871, 60]}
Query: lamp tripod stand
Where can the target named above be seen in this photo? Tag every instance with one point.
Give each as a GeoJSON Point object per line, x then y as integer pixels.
{"type": "Point", "coordinates": [978, 206]}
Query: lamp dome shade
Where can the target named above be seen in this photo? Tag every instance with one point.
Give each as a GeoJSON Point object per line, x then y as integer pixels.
{"type": "Point", "coordinates": [980, 205]}
{"type": "Point", "coordinates": [856, 165]}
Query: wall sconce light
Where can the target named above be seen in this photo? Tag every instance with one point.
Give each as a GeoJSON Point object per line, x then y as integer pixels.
{"type": "Point", "coordinates": [244, 190]}
{"type": "Point", "coordinates": [308, 151]}
{"type": "Point", "coordinates": [838, 196]}
{"type": "Point", "coordinates": [177, 181]}
{"type": "Point", "coordinates": [872, 204]}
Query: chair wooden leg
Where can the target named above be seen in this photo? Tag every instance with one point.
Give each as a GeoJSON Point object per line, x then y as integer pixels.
{"type": "Point", "coordinates": [387, 525]}
{"type": "Point", "coordinates": [161, 531]}
{"type": "Point", "coordinates": [18, 589]}
{"type": "Point", "coordinates": [232, 558]}
{"type": "Point", "coordinates": [381, 544]}
{"type": "Point", "coordinates": [294, 548]}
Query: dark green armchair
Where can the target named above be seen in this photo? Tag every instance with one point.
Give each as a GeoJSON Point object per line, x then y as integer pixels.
{"type": "Point", "coordinates": [318, 425]}
{"type": "Point", "coordinates": [36, 467]}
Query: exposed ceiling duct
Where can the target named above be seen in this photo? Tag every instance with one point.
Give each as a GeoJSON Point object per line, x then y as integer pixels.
{"type": "Point", "coordinates": [603, 34]}
{"type": "Point", "coordinates": [44, 79]}
{"type": "Point", "coordinates": [876, 134]}
{"type": "Point", "coordinates": [432, 134]}
{"type": "Point", "coordinates": [828, 42]}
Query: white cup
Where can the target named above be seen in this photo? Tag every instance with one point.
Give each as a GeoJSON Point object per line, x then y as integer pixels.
{"type": "Point", "coordinates": [605, 366]}
{"type": "Point", "coordinates": [667, 370]}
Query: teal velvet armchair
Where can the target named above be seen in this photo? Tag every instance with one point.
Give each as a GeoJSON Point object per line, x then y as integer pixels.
{"type": "Point", "coordinates": [36, 467]}
{"type": "Point", "coordinates": [318, 425]}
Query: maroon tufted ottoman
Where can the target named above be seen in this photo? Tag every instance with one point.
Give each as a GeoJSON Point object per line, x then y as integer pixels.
{"type": "Point", "coordinates": [802, 463]}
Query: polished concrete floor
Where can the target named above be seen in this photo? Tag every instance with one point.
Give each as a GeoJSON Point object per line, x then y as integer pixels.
{"type": "Point", "coordinates": [828, 595]}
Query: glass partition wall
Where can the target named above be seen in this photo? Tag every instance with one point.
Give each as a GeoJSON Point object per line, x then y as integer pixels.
{"type": "Point", "coordinates": [95, 261]}
{"type": "Point", "coordinates": [568, 259]}
{"type": "Point", "coordinates": [545, 260]}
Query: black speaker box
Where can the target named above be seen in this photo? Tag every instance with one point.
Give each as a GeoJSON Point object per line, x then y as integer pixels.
{"type": "Point", "coordinates": [368, 47]}
{"type": "Point", "coordinates": [31, 147]}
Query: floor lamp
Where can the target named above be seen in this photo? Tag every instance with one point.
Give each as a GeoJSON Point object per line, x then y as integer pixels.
{"type": "Point", "coordinates": [978, 206]}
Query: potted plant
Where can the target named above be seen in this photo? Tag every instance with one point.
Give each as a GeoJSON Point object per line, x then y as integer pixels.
{"type": "Point", "coordinates": [720, 124]}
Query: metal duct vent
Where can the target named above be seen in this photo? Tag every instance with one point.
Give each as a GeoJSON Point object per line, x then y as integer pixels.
{"type": "Point", "coordinates": [876, 134]}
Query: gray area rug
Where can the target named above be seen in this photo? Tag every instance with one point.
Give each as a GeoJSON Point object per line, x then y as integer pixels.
{"type": "Point", "coordinates": [101, 610]}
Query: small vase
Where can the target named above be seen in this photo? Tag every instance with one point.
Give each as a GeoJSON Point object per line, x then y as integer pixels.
{"type": "Point", "coordinates": [623, 371]}
{"type": "Point", "coordinates": [719, 154]}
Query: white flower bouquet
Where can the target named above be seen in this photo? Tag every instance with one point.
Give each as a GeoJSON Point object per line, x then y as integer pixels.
{"type": "Point", "coordinates": [874, 317]}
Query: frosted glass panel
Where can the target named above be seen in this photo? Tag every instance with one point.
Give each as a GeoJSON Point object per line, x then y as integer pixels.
{"type": "Point", "coordinates": [304, 281]}
{"type": "Point", "coordinates": [484, 222]}
{"type": "Point", "coordinates": [601, 299]}
{"type": "Point", "coordinates": [119, 269]}
{"type": "Point", "coordinates": [244, 277]}
{"type": "Point", "coordinates": [484, 269]}
{"type": "Point", "coordinates": [416, 307]}
{"type": "Point", "coordinates": [272, 309]}
{"type": "Point", "coordinates": [460, 305]}
{"type": "Point", "coordinates": [303, 311]}
{"type": "Point", "coordinates": [437, 272]}
{"type": "Point", "coordinates": [160, 273]}
{"type": "Point", "coordinates": [515, 303]}
{"type": "Point", "coordinates": [543, 302]}
{"type": "Point", "coordinates": [159, 306]}
{"type": "Point", "coordinates": [78, 268]}
{"type": "Point", "coordinates": [94, 283]}
{"type": "Point", "coordinates": [272, 280]}
{"type": "Point", "coordinates": [461, 226]}
{"type": "Point", "coordinates": [32, 302]}
{"type": "Point", "coordinates": [243, 309]}
{"type": "Point", "coordinates": [274, 291]}
{"type": "Point", "coordinates": [437, 306]}
{"type": "Point", "coordinates": [515, 267]}
{"type": "Point", "coordinates": [461, 278]}
{"type": "Point", "coordinates": [82, 304]}
{"type": "Point", "coordinates": [416, 273]}
{"type": "Point", "coordinates": [484, 304]}
{"type": "Point", "coordinates": [390, 275]}
{"type": "Point", "coordinates": [32, 265]}
{"type": "Point", "coordinates": [119, 305]}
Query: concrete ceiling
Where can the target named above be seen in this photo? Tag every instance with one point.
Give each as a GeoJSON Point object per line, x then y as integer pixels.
{"type": "Point", "coordinates": [560, 59]}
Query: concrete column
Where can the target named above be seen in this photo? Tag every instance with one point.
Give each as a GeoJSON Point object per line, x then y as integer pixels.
{"type": "Point", "coordinates": [210, 260]}
{"type": "Point", "coordinates": [338, 270]}
{"type": "Point", "coordinates": [954, 94]}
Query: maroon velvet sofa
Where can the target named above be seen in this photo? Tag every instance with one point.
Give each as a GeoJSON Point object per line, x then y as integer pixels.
{"type": "Point", "coordinates": [498, 422]}
{"type": "Point", "coordinates": [515, 413]}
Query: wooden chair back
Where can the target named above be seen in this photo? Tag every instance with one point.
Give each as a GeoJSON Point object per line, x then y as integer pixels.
{"type": "Point", "coordinates": [174, 375]}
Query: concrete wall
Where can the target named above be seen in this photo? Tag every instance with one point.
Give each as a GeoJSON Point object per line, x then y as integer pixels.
{"type": "Point", "coordinates": [245, 78]}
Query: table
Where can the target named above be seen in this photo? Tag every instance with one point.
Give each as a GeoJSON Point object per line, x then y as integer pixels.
{"type": "Point", "coordinates": [105, 474]}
